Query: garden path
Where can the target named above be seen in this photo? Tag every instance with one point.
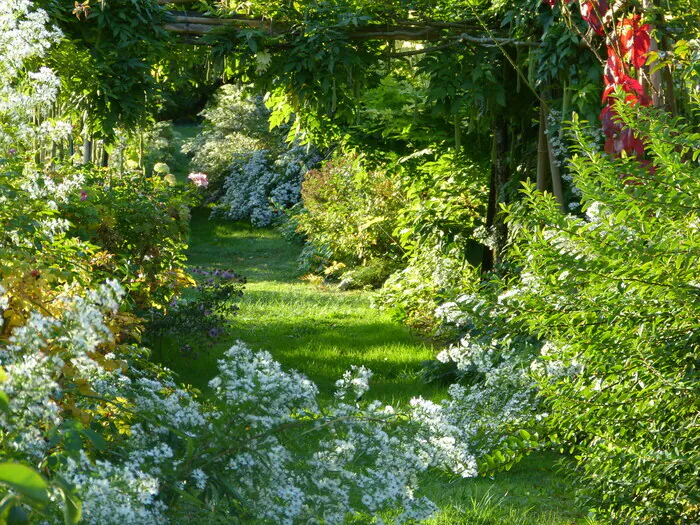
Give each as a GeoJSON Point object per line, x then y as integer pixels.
{"type": "Point", "coordinates": [321, 332]}
{"type": "Point", "coordinates": [314, 329]}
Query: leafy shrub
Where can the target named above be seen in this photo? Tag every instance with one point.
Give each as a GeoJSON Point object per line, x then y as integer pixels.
{"type": "Point", "coordinates": [349, 215]}
{"type": "Point", "coordinates": [430, 278]}
{"type": "Point", "coordinates": [200, 320]}
{"type": "Point", "coordinates": [141, 225]}
{"type": "Point", "coordinates": [613, 295]}
{"type": "Point", "coordinates": [445, 205]}
{"type": "Point", "coordinates": [616, 292]}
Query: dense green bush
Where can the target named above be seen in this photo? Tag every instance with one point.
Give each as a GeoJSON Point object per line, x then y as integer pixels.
{"type": "Point", "coordinates": [445, 203]}
{"type": "Point", "coordinates": [141, 225]}
{"type": "Point", "coordinates": [615, 295]}
{"type": "Point", "coordinates": [348, 218]}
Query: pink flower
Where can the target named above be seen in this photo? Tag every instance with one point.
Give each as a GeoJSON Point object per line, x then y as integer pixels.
{"type": "Point", "coordinates": [199, 179]}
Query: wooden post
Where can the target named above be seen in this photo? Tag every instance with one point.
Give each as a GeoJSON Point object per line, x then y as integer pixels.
{"type": "Point", "coordinates": [553, 161]}
{"type": "Point", "coordinates": [542, 152]}
{"type": "Point", "coordinates": [458, 134]}
{"type": "Point", "coordinates": [87, 149]}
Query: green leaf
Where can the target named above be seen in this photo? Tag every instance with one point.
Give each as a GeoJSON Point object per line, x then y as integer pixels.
{"type": "Point", "coordinates": [4, 402]}
{"type": "Point", "coordinates": [17, 516]}
{"type": "Point", "coordinates": [25, 481]}
{"type": "Point", "coordinates": [72, 506]}
{"type": "Point", "coordinates": [97, 440]}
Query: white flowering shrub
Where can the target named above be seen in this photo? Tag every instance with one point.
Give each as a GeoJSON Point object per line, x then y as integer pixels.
{"type": "Point", "coordinates": [355, 457]}
{"type": "Point", "coordinates": [233, 123]}
{"type": "Point", "coordinates": [253, 173]}
{"type": "Point", "coordinates": [443, 208]}
{"type": "Point", "coordinates": [497, 396]}
{"type": "Point", "coordinates": [27, 91]}
{"type": "Point", "coordinates": [134, 447]}
{"type": "Point", "coordinates": [260, 184]}
{"type": "Point", "coordinates": [431, 277]}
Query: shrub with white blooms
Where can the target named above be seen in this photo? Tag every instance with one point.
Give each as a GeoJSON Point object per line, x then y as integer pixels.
{"type": "Point", "coordinates": [498, 394]}
{"type": "Point", "coordinates": [260, 183]}
{"type": "Point", "coordinates": [26, 35]}
{"type": "Point", "coordinates": [151, 450]}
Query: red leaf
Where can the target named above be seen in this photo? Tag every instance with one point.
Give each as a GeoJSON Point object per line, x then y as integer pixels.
{"type": "Point", "coordinates": [635, 89]}
{"type": "Point", "coordinates": [635, 92]}
{"type": "Point", "coordinates": [611, 126]}
{"type": "Point", "coordinates": [610, 147]}
{"type": "Point", "coordinates": [634, 40]}
{"type": "Point", "coordinates": [614, 68]}
{"type": "Point", "coordinates": [592, 11]}
{"type": "Point", "coordinates": [627, 141]}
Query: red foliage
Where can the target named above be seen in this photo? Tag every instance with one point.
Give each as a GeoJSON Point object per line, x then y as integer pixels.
{"type": "Point", "coordinates": [614, 68]}
{"type": "Point", "coordinates": [634, 40]}
{"type": "Point", "coordinates": [593, 11]}
{"type": "Point", "coordinates": [611, 126]}
{"type": "Point", "coordinates": [635, 91]}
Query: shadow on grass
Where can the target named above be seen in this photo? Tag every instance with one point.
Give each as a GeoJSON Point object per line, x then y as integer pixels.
{"type": "Point", "coordinates": [259, 254]}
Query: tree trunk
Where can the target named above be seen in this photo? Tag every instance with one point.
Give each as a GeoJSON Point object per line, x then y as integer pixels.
{"type": "Point", "coordinates": [500, 175]}
{"type": "Point", "coordinates": [655, 77]}
{"type": "Point", "coordinates": [553, 160]}
{"type": "Point", "coordinates": [458, 134]}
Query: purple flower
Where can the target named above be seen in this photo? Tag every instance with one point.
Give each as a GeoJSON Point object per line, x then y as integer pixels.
{"type": "Point", "coordinates": [214, 332]}
{"type": "Point", "coordinates": [83, 195]}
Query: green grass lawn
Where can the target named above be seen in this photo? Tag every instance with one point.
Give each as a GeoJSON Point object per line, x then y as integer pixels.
{"type": "Point", "coordinates": [320, 332]}
{"type": "Point", "coordinates": [316, 330]}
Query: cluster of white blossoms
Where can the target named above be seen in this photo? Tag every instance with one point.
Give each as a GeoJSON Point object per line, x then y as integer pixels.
{"type": "Point", "coordinates": [41, 186]}
{"type": "Point", "coordinates": [25, 34]}
{"type": "Point", "coordinates": [258, 185]}
{"type": "Point", "coordinates": [354, 381]}
{"type": "Point", "coordinates": [502, 394]}
{"type": "Point", "coordinates": [300, 461]}
{"type": "Point", "coordinates": [264, 435]}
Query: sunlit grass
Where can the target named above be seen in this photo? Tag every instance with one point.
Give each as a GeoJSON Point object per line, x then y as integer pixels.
{"type": "Point", "coordinates": [321, 332]}
{"type": "Point", "coordinates": [318, 331]}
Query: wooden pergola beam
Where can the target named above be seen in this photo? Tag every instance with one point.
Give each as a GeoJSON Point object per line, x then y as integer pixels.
{"type": "Point", "coordinates": [197, 24]}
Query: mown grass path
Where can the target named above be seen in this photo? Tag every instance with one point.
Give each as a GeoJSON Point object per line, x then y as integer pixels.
{"type": "Point", "coordinates": [321, 332]}
{"type": "Point", "coordinates": [316, 330]}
